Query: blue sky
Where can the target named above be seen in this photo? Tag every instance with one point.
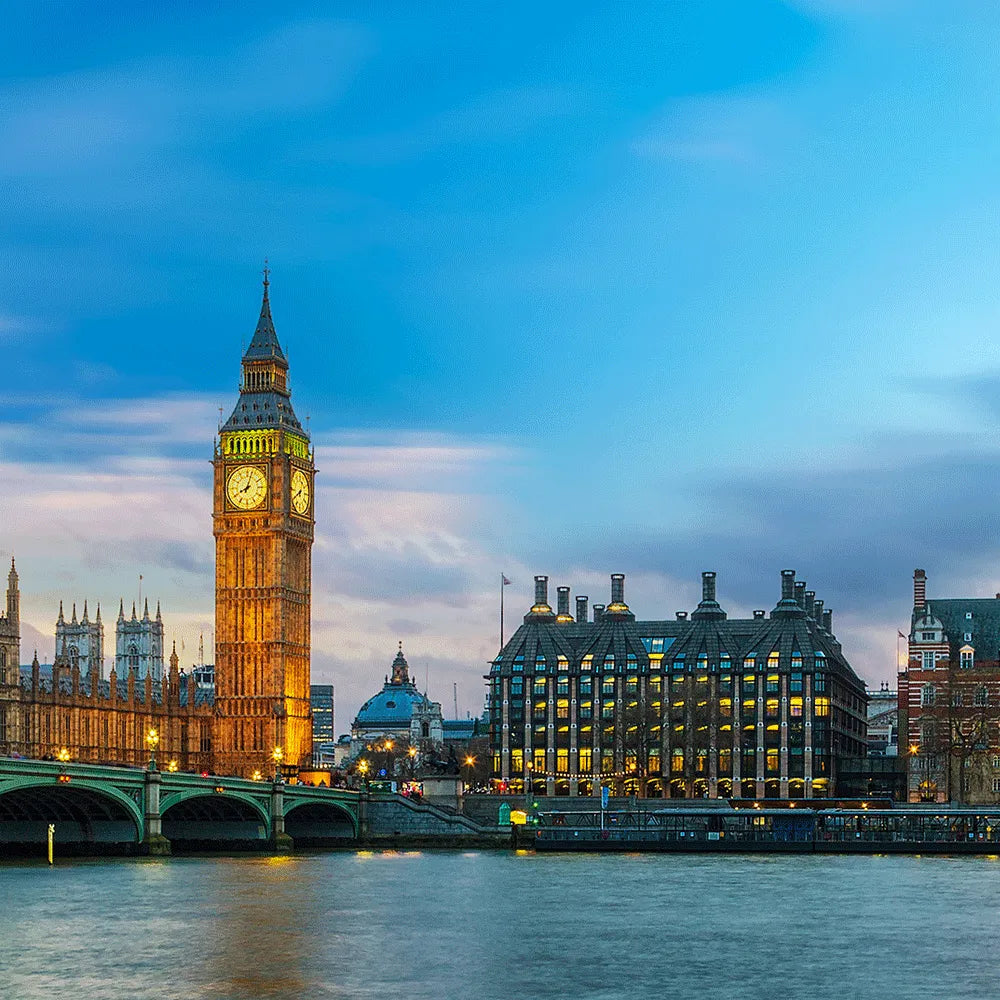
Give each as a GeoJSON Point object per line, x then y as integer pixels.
{"type": "Point", "coordinates": [574, 289]}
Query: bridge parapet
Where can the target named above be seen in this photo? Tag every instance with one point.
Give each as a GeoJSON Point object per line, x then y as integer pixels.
{"type": "Point", "coordinates": [32, 791]}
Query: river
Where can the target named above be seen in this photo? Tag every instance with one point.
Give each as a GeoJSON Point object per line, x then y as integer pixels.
{"type": "Point", "coordinates": [499, 925]}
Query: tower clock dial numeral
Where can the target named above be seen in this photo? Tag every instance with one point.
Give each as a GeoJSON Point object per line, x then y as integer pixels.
{"type": "Point", "coordinates": [246, 487]}
{"type": "Point", "coordinates": [300, 492]}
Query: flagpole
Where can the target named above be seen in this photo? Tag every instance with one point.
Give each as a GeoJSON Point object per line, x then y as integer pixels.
{"type": "Point", "coordinates": [502, 584]}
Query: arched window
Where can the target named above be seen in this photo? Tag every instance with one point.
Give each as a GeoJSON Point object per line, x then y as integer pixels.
{"type": "Point", "coordinates": [133, 655]}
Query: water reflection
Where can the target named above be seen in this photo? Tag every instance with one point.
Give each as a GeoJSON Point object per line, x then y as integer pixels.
{"type": "Point", "coordinates": [436, 924]}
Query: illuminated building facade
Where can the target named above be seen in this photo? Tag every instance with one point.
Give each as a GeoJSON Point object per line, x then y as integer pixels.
{"type": "Point", "coordinates": [45, 711]}
{"type": "Point", "coordinates": [949, 699]}
{"type": "Point", "coordinates": [263, 525]}
{"type": "Point", "coordinates": [700, 706]}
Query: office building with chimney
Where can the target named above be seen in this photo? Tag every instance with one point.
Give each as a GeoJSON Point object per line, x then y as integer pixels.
{"type": "Point", "coordinates": [698, 706]}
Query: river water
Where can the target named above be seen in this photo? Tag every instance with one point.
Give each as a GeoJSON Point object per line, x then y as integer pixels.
{"type": "Point", "coordinates": [498, 925]}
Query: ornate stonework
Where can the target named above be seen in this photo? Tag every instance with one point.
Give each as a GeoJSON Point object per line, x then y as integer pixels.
{"type": "Point", "coordinates": [263, 526]}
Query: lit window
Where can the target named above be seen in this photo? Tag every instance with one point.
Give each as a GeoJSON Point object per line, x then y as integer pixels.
{"type": "Point", "coordinates": [677, 761]}
{"type": "Point", "coordinates": [562, 761]}
{"type": "Point", "coordinates": [772, 761]}
{"type": "Point", "coordinates": [795, 707]}
{"type": "Point", "coordinates": [516, 761]}
{"type": "Point", "coordinates": [562, 708]}
{"type": "Point", "coordinates": [772, 707]}
{"type": "Point", "coordinates": [965, 658]}
{"type": "Point", "coordinates": [586, 759]}
{"type": "Point", "coordinates": [821, 707]}
{"type": "Point", "coordinates": [725, 707]}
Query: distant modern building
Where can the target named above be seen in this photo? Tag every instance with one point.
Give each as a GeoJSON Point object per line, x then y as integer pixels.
{"type": "Point", "coordinates": [398, 712]}
{"type": "Point", "coordinates": [949, 699]}
{"type": "Point", "coordinates": [321, 701]}
{"type": "Point", "coordinates": [700, 706]}
{"type": "Point", "coordinates": [81, 639]}
{"type": "Point", "coordinates": [138, 643]}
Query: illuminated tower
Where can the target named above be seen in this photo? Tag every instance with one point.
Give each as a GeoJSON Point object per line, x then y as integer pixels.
{"type": "Point", "coordinates": [263, 525]}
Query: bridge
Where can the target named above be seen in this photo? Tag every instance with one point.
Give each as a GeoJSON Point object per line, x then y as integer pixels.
{"type": "Point", "coordinates": [123, 810]}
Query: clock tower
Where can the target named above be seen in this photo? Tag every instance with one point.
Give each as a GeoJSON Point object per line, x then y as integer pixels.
{"type": "Point", "coordinates": [263, 526]}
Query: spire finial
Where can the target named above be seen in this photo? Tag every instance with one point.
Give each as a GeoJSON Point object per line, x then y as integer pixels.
{"type": "Point", "coordinates": [267, 277]}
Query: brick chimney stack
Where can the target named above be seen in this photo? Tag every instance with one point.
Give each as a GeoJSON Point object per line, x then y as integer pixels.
{"type": "Point", "coordinates": [919, 589]}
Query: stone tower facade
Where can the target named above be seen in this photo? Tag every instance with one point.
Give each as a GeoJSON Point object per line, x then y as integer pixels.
{"type": "Point", "coordinates": [82, 640]}
{"type": "Point", "coordinates": [10, 667]}
{"type": "Point", "coordinates": [139, 644]}
{"type": "Point", "coordinates": [263, 526]}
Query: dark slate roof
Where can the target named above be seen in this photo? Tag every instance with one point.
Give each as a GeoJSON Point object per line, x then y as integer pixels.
{"type": "Point", "coordinates": [984, 624]}
{"type": "Point", "coordinates": [707, 636]}
{"type": "Point", "coordinates": [263, 410]}
{"type": "Point", "coordinates": [264, 346]}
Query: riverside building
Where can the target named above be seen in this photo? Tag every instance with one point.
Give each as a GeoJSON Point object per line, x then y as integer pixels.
{"type": "Point", "coordinates": [695, 707]}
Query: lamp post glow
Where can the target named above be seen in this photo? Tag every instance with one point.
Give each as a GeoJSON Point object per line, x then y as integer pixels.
{"type": "Point", "coordinates": [152, 741]}
{"type": "Point", "coordinates": [172, 766]}
{"type": "Point", "coordinates": [63, 755]}
{"type": "Point", "coordinates": [276, 755]}
{"type": "Point", "coordinates": [469, 763]}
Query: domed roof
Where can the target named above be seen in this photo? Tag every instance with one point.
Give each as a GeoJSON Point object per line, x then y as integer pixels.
{"type": "Point", "coordinates": [395, 703]}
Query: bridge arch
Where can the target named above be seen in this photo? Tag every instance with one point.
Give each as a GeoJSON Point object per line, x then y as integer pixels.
{"type": "Point", "coordinates": [317, 822]}
{"type": "Point", "coordinates": [89, 817]}
{"type": "Point", "coordinates": [203, 819]}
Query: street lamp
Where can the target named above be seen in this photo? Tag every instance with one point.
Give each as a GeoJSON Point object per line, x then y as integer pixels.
{"type": "Point", "coordinates": [152, 741]}
{"type": "Point", "coordinates": [363, 769]}
{"type": "Point", "coordinates": [63, 755]}
{"type": "Point", "coordinates": [256, 776]}
{"type": "Point", "coordinates": [276, 755]}
{"type": "Point", "coordinates": [172, 766]}
{"type": "Point", "coordinates": [412, 753]}
{"type": "Point", "coordinates": [469, 762]}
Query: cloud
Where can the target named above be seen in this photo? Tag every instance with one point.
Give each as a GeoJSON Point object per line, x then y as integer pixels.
{"type": "Point", "coordinates": [718, 129]}
{"type": "Point", "coordinates": [19, 329]}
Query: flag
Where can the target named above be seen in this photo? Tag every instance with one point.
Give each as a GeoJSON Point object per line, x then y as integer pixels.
{"type": "Point", "coordinates": [900, 634]}
{"type": "Point", "coordinates": [506, 582]}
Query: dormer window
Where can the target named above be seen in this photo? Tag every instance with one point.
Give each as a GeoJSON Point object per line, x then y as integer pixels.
{"type": "Point", "coordinates": [966, 656]}
{"type": "Point", "coordinates": [927, 636]}
{"type": "Point", "coordinates": [968, 637]}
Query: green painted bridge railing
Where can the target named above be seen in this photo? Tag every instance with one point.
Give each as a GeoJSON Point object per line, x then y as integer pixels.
{"type": "Point", "coordinates": [99, 804]}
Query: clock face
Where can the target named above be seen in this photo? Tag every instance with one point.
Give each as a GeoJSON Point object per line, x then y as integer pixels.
{"type": "Point", "coordinates": [246, 487]}
{"type": "Point", "coordinates": [300, 492]}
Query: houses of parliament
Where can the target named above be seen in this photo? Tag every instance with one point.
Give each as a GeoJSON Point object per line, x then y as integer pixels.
{"type": "Point", "coordinates": [263, 525]}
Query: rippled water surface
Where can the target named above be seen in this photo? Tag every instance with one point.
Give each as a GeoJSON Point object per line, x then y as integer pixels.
{"type": "Point", "coordinates": [501, 925]}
